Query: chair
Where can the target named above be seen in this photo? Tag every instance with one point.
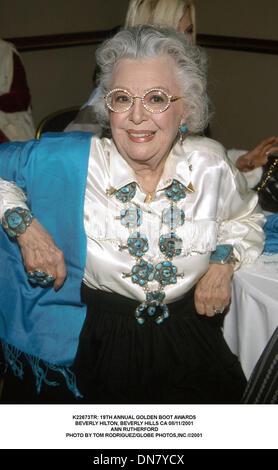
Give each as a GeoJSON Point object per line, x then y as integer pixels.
{"type": "Point", "coordinates": [262, 386]}
{"type": "Point", "coordinates": [56, 122]}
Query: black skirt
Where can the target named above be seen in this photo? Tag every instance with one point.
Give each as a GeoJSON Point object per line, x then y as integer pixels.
{"type": "Point", "coordinates": [183, 360]}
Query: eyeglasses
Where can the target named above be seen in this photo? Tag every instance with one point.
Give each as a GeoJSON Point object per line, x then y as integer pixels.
{"type": "Point", "coordinates": [154, 100]}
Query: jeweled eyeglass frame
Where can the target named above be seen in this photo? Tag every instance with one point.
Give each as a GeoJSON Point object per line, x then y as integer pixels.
{"type": "Point", "coordinates": [170, 99]}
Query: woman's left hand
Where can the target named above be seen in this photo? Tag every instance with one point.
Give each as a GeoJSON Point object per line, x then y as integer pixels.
{"type": "Point", "coordinates": [213, 291]}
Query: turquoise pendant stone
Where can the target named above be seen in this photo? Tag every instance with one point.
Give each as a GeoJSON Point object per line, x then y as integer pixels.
{"type": "Point", "coordinates": [173, 217]}
{"type": "Point", "coordinates": [176, 191]}
{"type": "Point", "coordinates": [142, 273]}
{"type": "Point", "coordinates": [170, 245]}
{"type": "Point", "coordinates": [137, 245]}
{"type": "Point", "coordinates": [152, 310]}
{"type": "Point", "coordinates": [131, 217]}
{"type": "Point", "coordinates": [166, 273]}
{"type": "Point", "coordinates": [155, 295]}
{"type": "Point", "coordinates": [126, 193]}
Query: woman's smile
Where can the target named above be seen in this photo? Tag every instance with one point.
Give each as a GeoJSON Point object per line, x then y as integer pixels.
{"type": "Point", "coordinates": [140, 136]}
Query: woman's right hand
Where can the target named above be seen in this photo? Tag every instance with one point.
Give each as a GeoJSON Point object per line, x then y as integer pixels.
{"type": "Point", "coordinates": [39, 252]}
{"type": "Point", "coordinates": [258, 156]}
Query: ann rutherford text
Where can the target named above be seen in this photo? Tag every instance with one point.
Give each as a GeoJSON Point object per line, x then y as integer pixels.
{"type": "Point", "coordinates": [156, 426]}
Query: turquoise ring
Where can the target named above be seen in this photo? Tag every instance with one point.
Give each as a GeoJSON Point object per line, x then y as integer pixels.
{"type": "Point", "coordinates": [40, 278]}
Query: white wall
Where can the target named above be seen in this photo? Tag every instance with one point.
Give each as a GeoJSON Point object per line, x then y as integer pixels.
{"type": "Point", "coordinates": [242, 85]}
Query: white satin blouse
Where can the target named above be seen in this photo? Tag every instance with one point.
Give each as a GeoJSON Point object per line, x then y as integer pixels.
{"type": "Point", "coordinates": [218, 209]}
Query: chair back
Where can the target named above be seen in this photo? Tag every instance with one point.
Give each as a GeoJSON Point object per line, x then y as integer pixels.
{"type": "Point", "coordinates": [56, 122]}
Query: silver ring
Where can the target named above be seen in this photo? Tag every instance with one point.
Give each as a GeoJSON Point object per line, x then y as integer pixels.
{"type": "Point", "coordinates": [40, 277]}
{"type": "Point", "coordinates": [218, 310]}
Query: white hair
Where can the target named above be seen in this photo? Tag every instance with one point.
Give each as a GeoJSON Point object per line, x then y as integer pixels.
{"type": "Point", "coordinates": [149, 42]}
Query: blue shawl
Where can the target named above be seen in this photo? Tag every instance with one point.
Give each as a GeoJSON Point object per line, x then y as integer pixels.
{"type": "Point", "coordinates": [39, 322]}
{"type": "Point", "coordinates": [271, 234]}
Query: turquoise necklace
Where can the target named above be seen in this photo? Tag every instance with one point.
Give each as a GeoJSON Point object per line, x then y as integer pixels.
{"type": "Point", "coordinates": [164, 272]}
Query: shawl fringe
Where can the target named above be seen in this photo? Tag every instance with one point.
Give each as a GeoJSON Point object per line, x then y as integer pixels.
{"type": "Point", "coordinates": [39, 367]}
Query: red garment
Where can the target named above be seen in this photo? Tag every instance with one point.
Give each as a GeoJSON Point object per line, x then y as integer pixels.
{"type": "Point", "coordinates": [3, 137]}
{"type": "Point", "coordinates": [18, 98]}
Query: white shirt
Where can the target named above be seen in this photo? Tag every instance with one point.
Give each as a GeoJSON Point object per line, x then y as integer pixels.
{"type": "Point", "coordinates": [220, 210]}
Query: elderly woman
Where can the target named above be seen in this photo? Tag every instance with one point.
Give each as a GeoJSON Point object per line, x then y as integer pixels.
{"type": "Point", "coordinates": [149, 226]}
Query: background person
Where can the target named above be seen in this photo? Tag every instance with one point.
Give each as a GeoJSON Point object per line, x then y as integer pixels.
{"type": "Point", "coordinates": [16, 120]}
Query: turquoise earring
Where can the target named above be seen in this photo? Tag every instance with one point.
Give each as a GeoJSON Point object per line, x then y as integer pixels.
{"type": "Point", "coordinates": [182, 130]}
